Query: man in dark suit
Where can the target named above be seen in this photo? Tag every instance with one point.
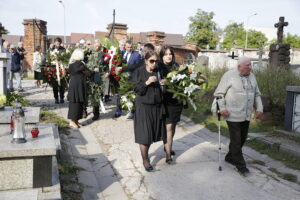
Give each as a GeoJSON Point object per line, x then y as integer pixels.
{"type": "Point", "coordinates": [133, 64]}
{"type": "Point", "coordinates": [129, 56]}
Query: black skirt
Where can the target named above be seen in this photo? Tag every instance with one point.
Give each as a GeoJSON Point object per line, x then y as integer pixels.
{"type": "Point", "coordinates": [75, 111]}
{"type": "Point", "coordinates": [38, 75]}
{"type": "Point", "coordinates": [173, 113]}
{"type": "Point", "coordinates": [149, 125]}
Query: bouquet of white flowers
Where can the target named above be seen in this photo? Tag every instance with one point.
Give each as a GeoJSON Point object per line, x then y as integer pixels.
{"type": "Point", "coordinates": [184, 83]}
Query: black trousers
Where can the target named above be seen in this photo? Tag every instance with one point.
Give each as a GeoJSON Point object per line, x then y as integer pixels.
{"type": "Point", "coordinates": [61, 90]}
{"type": "Point", "coordinates": [238, 135]}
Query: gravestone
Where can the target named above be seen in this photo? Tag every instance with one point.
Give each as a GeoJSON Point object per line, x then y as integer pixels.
{"type": "Point", "coordinates": [189, 58]}
{"type": "Point", "coordinates": [279, 55]}
{"type": "Point", "coordinates": [292, 109]}
{"type": "Point", "coordinates": [202, 61]}
{"type": "Point", "coordinates": [260, 54]}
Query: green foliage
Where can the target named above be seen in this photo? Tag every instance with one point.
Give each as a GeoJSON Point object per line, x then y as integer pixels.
{"type": "Point", "coordinates": [127, 96]}
{"type": "Point", "coordinates": [51, 117]}
{"type": "Point", "coordinates": [4, 31]}
{"type": "Point", "coordinates": [273, 81]}
{"type": "Point", "coordinates": [256, 39]}
{"type": "Point", "coordinates": [236, 34]}
{"type": "Point", "coordinates": [95, 87]}
{"type": "Point", "coordinates": [67, 167]}
{"type": "Point", "coordinates": [293, 40]}
{"type": "Point", "coordinates": [12, 97]}
{"type": "Point", "coordinates": [107, 43]}
{"type": "Point", "coordinates": [203, 30]}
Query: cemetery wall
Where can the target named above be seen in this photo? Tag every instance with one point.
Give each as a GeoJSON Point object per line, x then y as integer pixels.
{"type": "Point", "coordinates": [219, 59]}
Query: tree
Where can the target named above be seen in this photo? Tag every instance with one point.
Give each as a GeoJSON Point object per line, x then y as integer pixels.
{"type": "Point", "coordinates": [203, 30]}
{"type": "Point", "coordinates": [256, 39]}
{"type": "Point", "coordinates": [235, 34]}
{"type": "Point", "coordinates": [293, 40]}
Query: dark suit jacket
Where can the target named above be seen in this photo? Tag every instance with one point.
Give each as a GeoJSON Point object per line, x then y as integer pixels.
{"type": "Point", "coordinates": [135, 57]}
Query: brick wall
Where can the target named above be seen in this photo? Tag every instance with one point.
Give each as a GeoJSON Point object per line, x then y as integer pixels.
{"type": "Point", "coordinates": [35, 33]}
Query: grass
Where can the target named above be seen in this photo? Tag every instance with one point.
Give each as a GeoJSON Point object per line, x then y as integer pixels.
{"type": "Point", "coordinates": [51, 117]}
{"type": "Point", "coordinates": [289, 160]}
{"type": "Point", "coordinates": [67, 167]}
{"type": "Point", "coordinates": [258, 162]}
{"type": "Point", "coordinates": [285, 176]}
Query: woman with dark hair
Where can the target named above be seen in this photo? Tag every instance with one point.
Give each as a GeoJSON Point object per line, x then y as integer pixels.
{"type": "Point", "coordinates": [149, 123]}
{"type": "Point", "coordinates": [173, 107]}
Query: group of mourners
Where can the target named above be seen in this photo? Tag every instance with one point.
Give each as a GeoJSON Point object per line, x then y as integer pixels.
{"type": "Point", "coordinates": [15, 64]}
{"type": "Point", "coordinates": [156, 111]}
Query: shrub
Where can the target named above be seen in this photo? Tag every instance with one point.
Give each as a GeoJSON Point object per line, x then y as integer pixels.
{"type": "Point", "coordinates": [273, 81]}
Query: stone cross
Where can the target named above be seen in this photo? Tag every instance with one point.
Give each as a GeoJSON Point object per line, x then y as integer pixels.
{"type": "Point", "coordinates": [260, 53]}
{"type": "Point", "coordinates": [280, 25]}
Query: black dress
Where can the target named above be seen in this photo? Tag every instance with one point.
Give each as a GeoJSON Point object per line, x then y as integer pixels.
{"type": "Point", "coordinates": [149, 122]}
{"type": "Point", "coordinates": [173, 106]}
{"type": "Point", "coordinates": [77, 95]}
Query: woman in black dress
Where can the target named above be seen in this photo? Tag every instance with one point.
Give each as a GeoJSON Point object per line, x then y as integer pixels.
{"type": "Point", "coordinates": [149, 123]}
{"type": "Point", "coordinates": [77, 93]}
{"type": "Point", "coordinates": [173, 107]}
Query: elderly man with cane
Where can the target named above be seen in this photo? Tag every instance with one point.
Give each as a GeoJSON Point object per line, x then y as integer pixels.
{"type": "Point", "coordinates": [237, 94]}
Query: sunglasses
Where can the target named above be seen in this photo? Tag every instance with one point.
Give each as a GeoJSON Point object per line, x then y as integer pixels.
{"type": "Point", "coordinates": [153, 61]}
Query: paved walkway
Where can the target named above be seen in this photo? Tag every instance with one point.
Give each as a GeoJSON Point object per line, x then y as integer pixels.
{"type": "Point", "coordinates": [113, 167]}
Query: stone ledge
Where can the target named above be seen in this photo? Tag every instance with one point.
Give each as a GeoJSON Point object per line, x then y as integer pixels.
{"type": "Point", "coordinates": [44, 145]}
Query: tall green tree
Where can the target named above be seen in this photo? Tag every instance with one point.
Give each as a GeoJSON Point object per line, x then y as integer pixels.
{"type": "Point", "coordinates": [293, 40]}
{"type": "Point", "coordinates": [203, 30]}
{"type": "Point", "coordinates": [235, 34]}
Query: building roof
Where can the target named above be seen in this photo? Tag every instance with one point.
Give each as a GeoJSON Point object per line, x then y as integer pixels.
{"type": "Point", "coordinates": [100, 35]}
{"type": "Point", "coordinates": [13, 39]}
{"type": "Point", "coordinates": [76, 37]}
{"type": "Point", "coordinates": [174, 39]}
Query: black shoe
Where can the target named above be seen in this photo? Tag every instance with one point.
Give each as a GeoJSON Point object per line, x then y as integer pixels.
{"type": "Point", "coordinates": [95, 117]}
{"type": "Point", "coordinates": [117, 114]}
{"type": "Point", "coordinates": [169, 161]}
{"type": "Point", "coordinates": [148, 168]}
{"type": "Point", "coordinates": [243, 171]}
{"type": "Point", "coordinates": [172, 152]}
{"type": "Point", "coordinates": [56, 101]}
{"type": "Point", "coordinates": [61, 101]}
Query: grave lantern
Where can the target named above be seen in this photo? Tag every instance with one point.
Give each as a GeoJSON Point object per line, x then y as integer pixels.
{"type": "Point", "coordinates": [18, 118]}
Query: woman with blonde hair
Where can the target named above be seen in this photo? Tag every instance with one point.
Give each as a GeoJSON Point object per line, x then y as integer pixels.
{"type": "Point", "coordinates": [77, 93]}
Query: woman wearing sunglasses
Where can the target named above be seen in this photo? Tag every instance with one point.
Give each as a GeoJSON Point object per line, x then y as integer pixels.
{"type": "Point", "coordinates": [173, 107]}
{"type": "Point", "coordinates": [149, 123]}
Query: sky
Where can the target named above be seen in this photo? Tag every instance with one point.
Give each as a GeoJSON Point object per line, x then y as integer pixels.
{"type": "Point", "coordinates": [170, 16]}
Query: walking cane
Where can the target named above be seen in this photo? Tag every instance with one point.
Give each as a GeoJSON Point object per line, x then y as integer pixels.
{"type": "Point", "coordinates": [219, 131]}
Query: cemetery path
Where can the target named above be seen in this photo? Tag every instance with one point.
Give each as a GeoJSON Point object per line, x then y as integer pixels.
{"type": "Point", "coordinates": [112, 166]}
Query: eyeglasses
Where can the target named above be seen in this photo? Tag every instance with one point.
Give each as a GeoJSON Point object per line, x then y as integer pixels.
{"type": "Point", "coordinates": [153, 61]}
